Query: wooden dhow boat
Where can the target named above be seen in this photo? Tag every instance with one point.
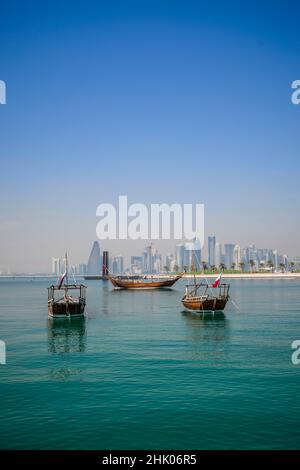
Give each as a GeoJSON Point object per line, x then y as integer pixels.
{"type": "Point", "coordinates": [206, 297]}
{"type": "Point", "coordinates": [67, 305]}
{"type": "Point", "coordinates": [143, 282]}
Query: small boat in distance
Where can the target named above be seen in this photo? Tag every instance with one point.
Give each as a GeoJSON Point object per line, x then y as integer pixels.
{"type": "Point", "coordinates": [205, 297]}
{"type": "Point", "coordinates": [143, 282]}
{"type": "Point", "coordinates": [67, 305]}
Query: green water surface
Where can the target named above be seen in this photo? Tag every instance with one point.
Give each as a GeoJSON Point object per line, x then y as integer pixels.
{"type": "Point", "coordinates": [140, 373]}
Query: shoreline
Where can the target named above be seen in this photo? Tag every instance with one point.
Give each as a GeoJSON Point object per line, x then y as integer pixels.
{"type": "Point", "coordinates": [248, 276]}
{"type": "Point", "coordinates": [185, 276]}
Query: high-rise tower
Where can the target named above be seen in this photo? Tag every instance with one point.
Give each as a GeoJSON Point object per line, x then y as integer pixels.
{"type": "Point", "coordinates": [105, 264]}
{"type": "Point", "coordinates": [211, 251]}
{"type": "Point", "coordinates": [94, 262]}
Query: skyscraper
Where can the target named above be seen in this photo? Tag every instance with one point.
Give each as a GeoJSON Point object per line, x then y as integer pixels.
{"type": "Point", "coordinates": [197, 255]}
{"type": "Point", "coordinates": [237, 256]}
{"type": "Point", "coordinates": [136, 264]}
{"type": "Point", "coordinates": [218, 254]}
{"type": "Point", "coordinates": [228, 247]}
{"type": "Point", "coordinates": [275, 255]}
{"type": "Point", "coordinates": [212, 251]}
{"type": "Point", "coordinates": [188, 255]}
{"type": "Point", "coordinates": [180, 256]}
{"type": "Point", "coordinates": [156, 261]}
{"type": "Point", "coordinates": [192, 255]}
{"type": "Point", "coordinates": [94, 262]}
{"type": "Point", "coordinates": [105, 263]}
{"type": "Point", "coordinates": [82, 269]}
{"type": "Point", "coordinates": [148, 260]}
{"type": "Point", "coordinates": [56, 268]}
{"type": "Point", "coordinates": [118, 264]}
{"type": "Point", "coordinates": [169, 260]}
{"type": "Point", "coordinates": [251, 253]}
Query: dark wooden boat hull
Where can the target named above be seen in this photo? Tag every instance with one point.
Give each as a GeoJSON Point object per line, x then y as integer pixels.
{"type": "Point", "coordinates": [211, 305]}
{"type": "Point", "coordinates": [66, 309]}
{"type": "Point", "coordinates": [128, 284]}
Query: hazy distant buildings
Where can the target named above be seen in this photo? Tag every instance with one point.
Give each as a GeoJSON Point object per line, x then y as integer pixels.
{"type": "Point", "coordinates": [251, 254]}
{"type": "Point", "coordinates": [74, 270]}
{"type": "Point", "coordinates": [173, 265]}
{"type": "Point", "coordinates": [82, 269]}
{"type": "Point", "coordinates": [145, 262]}
{"type": "Point", "coordinates": [192, 255]}
{"type": "Point", "coordinates": [197, 255]}
{"type": "Point", "coordinates": [262, 257]}
{"type": "Point", "coordinates": [56, 266]}
{"type": "Point", "coordinates": [237, 256]}
{"type": "Point", "coordinates": [148, 260]}
{"type": "Point", "coordinates": [94, 262]}
{"type": "Point", "coordinates": [170, 262]}
{"type": "Point", "coordinates": [156, 261]}
{"type": "Point", "coordinates": [105, 263]}
{"type": "Point", "coordinates": [186, 256]}
{"type": "Point", "coordinates": [136, 264]}
{"type": "Point", "coordinates": [228, 252]}
{"type": "Point", "coordinates": [275, 259]}
{"type": "Point", "coordinates": [180, 256]}
{"type": "Point", "coordinates": [117, 265]}
{"type": "Point", "coordinates": [120, 263]}
{"type": "Point", "coordinates": [212, 251]}
{"type": "Point", "coordinates": [218, 254]}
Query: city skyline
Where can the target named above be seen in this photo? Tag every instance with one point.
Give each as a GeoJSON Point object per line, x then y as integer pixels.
{"type": "Point", "coordinates": [87, 265]}
{"type": "Point", "coordinates": [183, 255]}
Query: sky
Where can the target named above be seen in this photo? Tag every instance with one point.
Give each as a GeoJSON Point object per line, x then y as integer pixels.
{"type": "Point", "coordinates": [167, 101]}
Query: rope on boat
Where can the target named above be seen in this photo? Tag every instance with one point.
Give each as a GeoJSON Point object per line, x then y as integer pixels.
{"type": "Point", "coordinates": [207, 283]}
{"type": "Point", "coordinates": [234, 304]}
{"type": "Point", "coordinates": [67, 308]}
{"type": "Point", "coordinates": [72, 271]}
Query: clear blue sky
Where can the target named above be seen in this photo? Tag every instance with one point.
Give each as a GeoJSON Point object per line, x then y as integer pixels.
{"type": "Point", "coordinates": [163, 101]}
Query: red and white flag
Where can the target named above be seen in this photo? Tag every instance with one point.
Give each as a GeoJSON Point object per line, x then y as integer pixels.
{"type": "Point", "coordinates": [62, 279]}
{"type": "Point", "coordinates": [217, 281]}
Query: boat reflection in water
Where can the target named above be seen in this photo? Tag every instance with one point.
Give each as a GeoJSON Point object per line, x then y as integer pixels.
{"type": "Point", "coordinates": [66, 335]}
{"type": "Point", "coordinates": [208, 335]}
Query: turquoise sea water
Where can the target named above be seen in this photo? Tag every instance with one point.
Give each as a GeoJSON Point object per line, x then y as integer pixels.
{"type": "Point", "coordinates": [139, 372]}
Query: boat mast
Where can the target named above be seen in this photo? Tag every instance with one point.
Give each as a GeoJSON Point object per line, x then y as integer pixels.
{"type": "Point", "coordinates": [66, 281]}
{"type": "Point", "coordinates": [194, 269]}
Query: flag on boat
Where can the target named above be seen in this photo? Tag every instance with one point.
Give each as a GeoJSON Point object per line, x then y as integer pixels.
{"type": "Point", "coordinates": [62, 279]}
{"type": "Point", "coordinates": [217, 281]}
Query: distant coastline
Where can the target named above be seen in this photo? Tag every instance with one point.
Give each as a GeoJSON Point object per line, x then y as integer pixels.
{"type": "Point", "coordinates": [185, 276]}
{"type": "Point", "coordinates": [248, 276]}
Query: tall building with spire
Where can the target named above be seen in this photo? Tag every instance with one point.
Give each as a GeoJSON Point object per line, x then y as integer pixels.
{"type": "Point", "coordinates": [94, 266]}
